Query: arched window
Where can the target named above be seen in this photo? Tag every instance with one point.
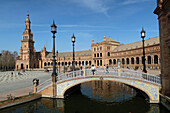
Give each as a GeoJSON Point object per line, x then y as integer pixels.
{"type": "Point", "coordinates": [79, 63]}
{"type": "Point", "coordinates": [108, 54]}
{"type": "Point", "coordinates": [86, 62]}
{"type": "Point", "coordinates": [123, 61]}
{"type": "Point", "coordinates": [137, 60]}
{"type": "Point", "coordinates": [76, 63]}
{"type": "Point", "coordinates": [65, 63]}
{"type": "Point", "coordinates": [97, 62]}
{"type": "Point", "coordinates": [127, 60]}
{"type": "Point", "coordinates": [62, 63]}
{"type": "Point", "coordinates": [69, 63]}
{"type": "Point", "coordinates": [90, 63]}
{"type": "Point", "coordinates": [48, 63]}
{"type": "Point", "coordinates": [97, 54]}
{"type": "Point", "coordinates": [149, 59]}
{"type": "Point", "coordinates": [100, 54]}
{"type": "Point", "coordinates": [114, 61]}
{"type": "Point", "coordinates": [132, 60]}
{"type": "Point", "coordinates": [45, 64]}
{"type": "Point", "coordinates": [51, 63]}
{"type": "Point", "coordinates": [155, 59]}
{"type": "Point", "coordinates": [83, 63]}
{"type": "Point", "coordinates": [110, 62]}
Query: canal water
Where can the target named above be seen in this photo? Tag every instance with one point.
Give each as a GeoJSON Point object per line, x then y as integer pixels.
{"type": "Point", "coordinates": [93, 97]}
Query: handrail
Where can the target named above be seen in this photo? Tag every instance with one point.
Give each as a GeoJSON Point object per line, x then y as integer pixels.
{"type": "Point", "coordinates": [113, 72]}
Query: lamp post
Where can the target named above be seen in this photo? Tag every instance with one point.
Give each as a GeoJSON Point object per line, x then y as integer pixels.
{"type": "Point", "coordinates": [57, 61]}
{"type": "Point", "coordinates": [73, 40]}
{"type": "Point", "coordinates": [64, 64]}
{"type": "Point", "coordinates": [53, 30]}
{"type": "Point", "coordinates": [59, 65]}
{"type": "Point", "coordinates": [143, 58]}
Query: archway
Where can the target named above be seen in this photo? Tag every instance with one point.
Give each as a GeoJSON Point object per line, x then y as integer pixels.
{"type": "Point", "coordinates": [110, 62]}
{"type": "Point", "coordinates": [149, 95]}
{"type": "Point", "coordinates": [132, 60]}
{"type": "Point", "coordinates": [22, 66]}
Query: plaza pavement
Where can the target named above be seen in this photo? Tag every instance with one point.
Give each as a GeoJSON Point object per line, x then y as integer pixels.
{"type": "Point", "coordinates": [19, 84]}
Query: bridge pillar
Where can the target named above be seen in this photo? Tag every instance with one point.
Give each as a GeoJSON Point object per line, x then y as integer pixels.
{"type": "Point", "coordinates": [84, 72]}
{"type": "Point", "coordinates": [35, 88]}
{"type": "Point", "coordinates": [119, 72]}
{"type": "Point", "coordinates": [73, 74]}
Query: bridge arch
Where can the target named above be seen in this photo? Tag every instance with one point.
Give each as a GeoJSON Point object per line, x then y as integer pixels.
{"type": "Point", "coordinates": [150, 90]}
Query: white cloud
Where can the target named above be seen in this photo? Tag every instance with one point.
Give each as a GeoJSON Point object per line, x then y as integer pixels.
{"type": "Point", "coordinates": [127, 2]}
{"type": "Point", "coordinates": [98, 6]}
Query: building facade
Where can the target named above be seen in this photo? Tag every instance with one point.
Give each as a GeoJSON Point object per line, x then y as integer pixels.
{"type": "Point", "coordinates": [108, 52]}
{"type": "Point", "coordinates": [163, 12]}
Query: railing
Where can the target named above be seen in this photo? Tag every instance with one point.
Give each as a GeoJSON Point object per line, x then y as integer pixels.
{"type": "Point", "coordinates": [112, 72]}
{"type": "Point", "coordinates": [44, 85]}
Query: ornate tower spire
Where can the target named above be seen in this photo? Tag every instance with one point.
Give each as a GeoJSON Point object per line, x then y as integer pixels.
{"type": "Point", "coordinates": [27, 34]}
{"type": "Point", "coordinates": [27, 22]}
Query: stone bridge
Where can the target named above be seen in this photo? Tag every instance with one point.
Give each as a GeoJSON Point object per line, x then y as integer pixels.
{"type": "Point", "coordinates": [149, 84]}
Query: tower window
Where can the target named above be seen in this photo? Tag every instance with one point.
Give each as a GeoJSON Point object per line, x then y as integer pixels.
{"type": "Point", "coordinates": [94, 49]}
{"type": "Point", "coordinates": [108, 48]}
{"type": "Point", "coordinates": [100, 54]}
{"type": "Point", "coordinates": [108, 54]}
{"type": "Point", "coordinates": [25, 37]}
{"type": "Point", "coordinates": [97, 54]}
{"type": "Point", "coordinates": [100, 48]}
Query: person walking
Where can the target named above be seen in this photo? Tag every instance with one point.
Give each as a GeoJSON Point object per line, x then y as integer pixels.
{"type": "Point", "coordinates": [107, 67]}
{"type": "Point", "coordinates": [81, 71]}
{"type": "Point", "coordinates": [93, 68]}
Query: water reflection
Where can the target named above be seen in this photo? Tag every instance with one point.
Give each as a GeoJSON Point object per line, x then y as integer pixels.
{"type": "Point", "coordinates": [93, 97]}
{"type": "Point", "coordinates": [107, 91]}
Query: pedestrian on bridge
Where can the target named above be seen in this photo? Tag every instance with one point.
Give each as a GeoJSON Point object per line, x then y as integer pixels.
{"type": "Point", "coordinates": [107, 69]}
{"type": "Point", "coordinates": [81, 71]}
{"type": "Point", "coordinates": [93, 68]}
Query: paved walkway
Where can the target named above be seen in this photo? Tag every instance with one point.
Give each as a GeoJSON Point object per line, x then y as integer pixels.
{"type": "Point", "coordinates": [19, 84]}
{"type": "Point", "coordinates": [153, 72]}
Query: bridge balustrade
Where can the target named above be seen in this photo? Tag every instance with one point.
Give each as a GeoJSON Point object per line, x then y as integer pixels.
{"type": "Point", "coordinates": [44, 85]}
{"type": "Point", "coordinates": [112, 72]}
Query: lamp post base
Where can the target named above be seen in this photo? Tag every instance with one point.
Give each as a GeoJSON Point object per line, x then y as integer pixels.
{"type": "Point", "coordinates": [54, 88]}
{"type": "Point", "coordinates": [144, 71]}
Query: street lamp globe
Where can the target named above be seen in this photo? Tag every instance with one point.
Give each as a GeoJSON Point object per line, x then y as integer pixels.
{"type": "Point", "coordinates": [73, 38]}
{"type": "Point", "coordinates": [53, 28]}
{"type": "Point", "coordinates": [143, 33]}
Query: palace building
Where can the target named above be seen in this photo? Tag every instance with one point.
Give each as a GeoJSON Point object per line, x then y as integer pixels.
{"type": "Point", "coordinates": [163, 12]}
{"type": "Point", "coordinates": [106, 52]}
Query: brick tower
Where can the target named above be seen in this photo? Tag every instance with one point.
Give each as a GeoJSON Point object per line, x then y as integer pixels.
{"type": "Point", "coordinates": [27, 52]}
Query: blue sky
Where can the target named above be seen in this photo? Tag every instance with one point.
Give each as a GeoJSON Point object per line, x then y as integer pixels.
{"type": "Point", "coordinates": [122, 20]}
